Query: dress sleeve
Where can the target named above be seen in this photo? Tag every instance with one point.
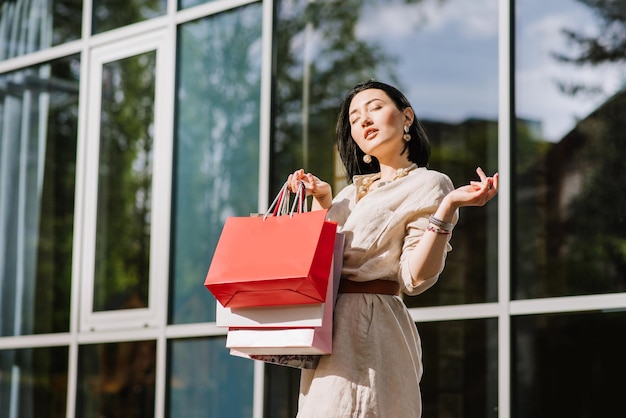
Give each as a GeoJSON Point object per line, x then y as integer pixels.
{"type": "Point", "coordinates": [415, 228]}
{"type": "Point", "coordinates": [342, 205]}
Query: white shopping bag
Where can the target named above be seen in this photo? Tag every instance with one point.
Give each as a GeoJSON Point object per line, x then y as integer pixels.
{"type": "Point", "coordinates": [291, 316]}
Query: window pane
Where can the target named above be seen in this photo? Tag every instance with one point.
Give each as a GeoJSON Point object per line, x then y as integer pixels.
{"type": "Point", "coordinates": [569, 232]}
{"type": "Point", "coordinates": [282, 388]}
{"type": "Point", "coordinates": [443, 55]}
{"type": "Point", "coordinates": [122, 273]}
{"type": "Point", "coordinates": [113, 14]}
{"type": "Point", "coordinates": [568, 365]}
{"type": "Point", "coordinates": [116, 380]}
{"type": "Point", "coordinates": [183, 4]}
{"type": "Point", "coordinates": [460, 368]}
{"type": "Point", "coordinates": [33, 382]}
{"type": "Point", "coordinates": [216, 170]}
{"type": "Point", "coordinates": [38, 131]}
{"type": "Point", "coordinates": [206, 381]}
{"type": "Point", "coordinates": [30, 26]}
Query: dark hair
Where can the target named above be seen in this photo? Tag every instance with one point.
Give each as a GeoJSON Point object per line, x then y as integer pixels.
{"type": "Point", "coordinates": [350, 153]}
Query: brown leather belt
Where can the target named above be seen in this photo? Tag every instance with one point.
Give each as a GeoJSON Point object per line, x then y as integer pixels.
{"type": "Point", "coordinates": [385, 287]}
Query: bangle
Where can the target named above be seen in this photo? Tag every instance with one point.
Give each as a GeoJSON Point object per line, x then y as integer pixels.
{"type": "Point", "coordinates": [436, 230]}
{"type": "Point", "coordinates": [444, 226]}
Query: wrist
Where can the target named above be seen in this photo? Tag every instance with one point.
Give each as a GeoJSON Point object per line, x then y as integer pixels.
{"type": "Point", "coordinates": [325, 201]}
{"type": "Point", "coordinates": [446, 209]}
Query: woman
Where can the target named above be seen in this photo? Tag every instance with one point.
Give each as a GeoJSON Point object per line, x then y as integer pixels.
{"type": "Point", "coordinates": [397, 217]}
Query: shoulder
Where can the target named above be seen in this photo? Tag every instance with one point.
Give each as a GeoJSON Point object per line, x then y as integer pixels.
{"type": "Point", "coordinates": [431, 178]}
{"type": "Point", "coordinates": [425, 188]}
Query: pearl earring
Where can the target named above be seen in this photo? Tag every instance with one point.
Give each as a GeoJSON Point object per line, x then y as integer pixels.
{"type": "Point", "coordinates": [367, 158]}
{"type": "Point", "coordinates": [407, 135]}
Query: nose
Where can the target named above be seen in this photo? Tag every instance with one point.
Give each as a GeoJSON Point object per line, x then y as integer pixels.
{"type": "Point", "coordinates": [366, 120]}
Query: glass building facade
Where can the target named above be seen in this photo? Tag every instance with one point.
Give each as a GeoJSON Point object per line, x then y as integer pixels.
{"type": "Point", "coordinates": [130, 130]}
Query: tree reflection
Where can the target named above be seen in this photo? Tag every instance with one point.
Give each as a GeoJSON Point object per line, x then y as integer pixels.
{"type": "Point", "coordinates": [571, 228]}
{"type": "Point", "coordinates": [607, 46]}
{"type": "Point", "coordinates": [113, 14]}
{"type": "Point", "coordinates": [320, 56]}
{"type": "Point", "coordinates": [122, 273]}
{"type": "Point", "coordinates": [217, 146]}
{"type": "Point", "coordinates": [586, 222]}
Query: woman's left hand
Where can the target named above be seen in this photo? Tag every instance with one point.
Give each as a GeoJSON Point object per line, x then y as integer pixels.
{"type": "Point", "coordinates": [477, 193]}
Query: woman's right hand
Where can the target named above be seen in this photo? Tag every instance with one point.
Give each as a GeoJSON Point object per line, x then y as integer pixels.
{"type": "Point", "coordinates": [320, 190]}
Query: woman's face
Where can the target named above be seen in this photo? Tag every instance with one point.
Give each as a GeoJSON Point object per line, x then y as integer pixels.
{"type": "Point", "coordinates": [376, 123]}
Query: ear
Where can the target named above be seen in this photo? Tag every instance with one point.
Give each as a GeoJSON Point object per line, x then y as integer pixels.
{"type": "Point", "coordinates": [409, 115]}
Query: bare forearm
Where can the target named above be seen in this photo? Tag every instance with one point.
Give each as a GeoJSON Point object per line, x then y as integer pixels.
{"type": "Point", "coordinates": [426, 258]}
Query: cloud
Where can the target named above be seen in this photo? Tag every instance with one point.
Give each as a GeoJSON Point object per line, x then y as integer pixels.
{"type": "Point", "coordinates": [538, 73]}
{"type": "Point", "coordinates": [473, 18]}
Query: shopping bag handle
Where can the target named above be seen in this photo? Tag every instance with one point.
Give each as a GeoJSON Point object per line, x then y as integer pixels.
{"type": "Point", "coordinates": [280, 205]}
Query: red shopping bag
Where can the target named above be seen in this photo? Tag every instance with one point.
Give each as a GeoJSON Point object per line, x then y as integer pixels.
{"type": "Point", "coordinates": [272, 260]}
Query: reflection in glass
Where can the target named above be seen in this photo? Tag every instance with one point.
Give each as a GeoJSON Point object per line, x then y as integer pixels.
{"type": "Point", "coordinates": [33, 382]}
{"type": "Point", "coordinates": [217, 146]}
{"type": "Point", "coordinates": [116, 380]}
{"type": "Point", "coordinates": [570, 231]}
{"type": "Point", "coordinates": [282, 388]}
{"type": "Point", "coordinates": [568, 365]}
{"type": "Point", "coordinates": [38, 120]}
{"type": "Point", "coordinates": [460, 368]}
{"type": "Point", "coordinates": [183, 4]}
{"type": "Point", "coordinates": [113, 14]}
{"type": "Point", "coordinates": [206, 381]}
{"type": "Point", "coordinates": [30, 26]}
{"type": "Point", "coordinates": [122, 270]}
{"type": "Point", "coordinates": [443, 55]}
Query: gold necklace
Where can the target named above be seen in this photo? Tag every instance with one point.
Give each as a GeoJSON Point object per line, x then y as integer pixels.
{"type": "Point", "coordinates": [367, 183]}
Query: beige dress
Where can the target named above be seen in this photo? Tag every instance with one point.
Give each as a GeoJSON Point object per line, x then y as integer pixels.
{"type": "Point", "coordinates": [376, 367]}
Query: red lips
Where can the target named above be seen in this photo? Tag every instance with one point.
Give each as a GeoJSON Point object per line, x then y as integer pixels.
{"type": "Point", "coordinates": [368, 131]}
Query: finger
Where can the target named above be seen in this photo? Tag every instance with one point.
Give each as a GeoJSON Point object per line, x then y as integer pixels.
{"type": "Point", "coordinates": [481, 174]}
{"type": "Point", "coordinates": [294, 179]}
{"type": "Point", "coordinates": [311, 181]}
{"type": "Point", "coordinates": [493, 182]}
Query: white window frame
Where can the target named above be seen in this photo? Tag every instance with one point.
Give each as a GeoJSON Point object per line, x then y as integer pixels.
{"type": "Point", "coordinates": [154, 315]}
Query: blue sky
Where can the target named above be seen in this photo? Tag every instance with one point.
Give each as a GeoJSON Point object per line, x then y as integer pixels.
{"type": "Point", "coordinates": [448, 58]}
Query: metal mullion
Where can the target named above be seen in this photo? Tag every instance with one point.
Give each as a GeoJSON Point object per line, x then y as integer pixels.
{"type": "Point", "coordinates": [81, 182]}
{"type": "Point", "coordinates": [166, 80]}
{"type": "Point", "coordinates": [505, 125]}
{"type": "Point", "coordinates": [264, 165]}
{"type": "Point", "coordinates": [565, 304]}
{"type": "Point", "coordinates": [455, 312]}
